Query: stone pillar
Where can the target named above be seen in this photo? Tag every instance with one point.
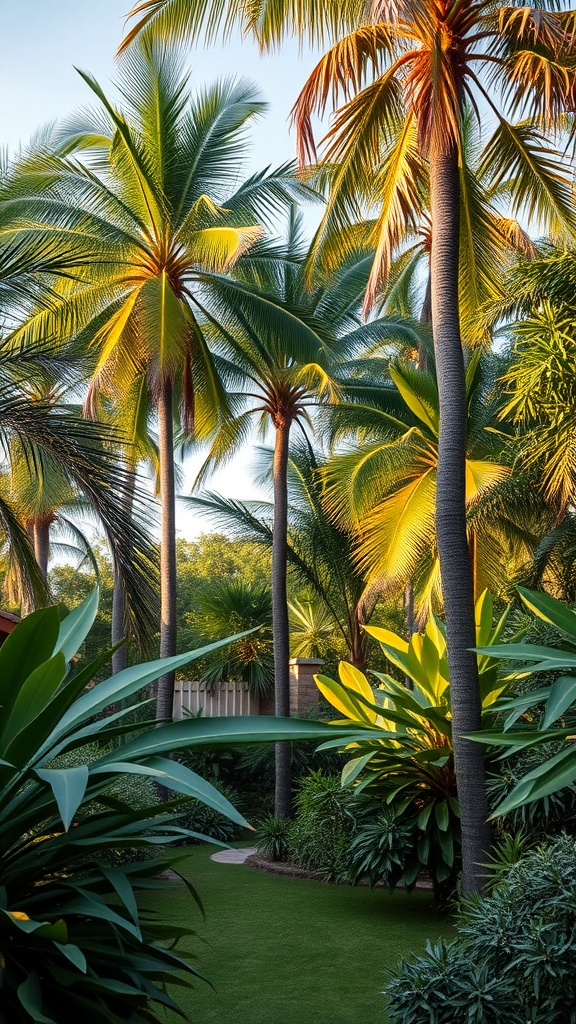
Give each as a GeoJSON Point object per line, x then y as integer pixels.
{"type": "Point", "coordinates": [304, 693]}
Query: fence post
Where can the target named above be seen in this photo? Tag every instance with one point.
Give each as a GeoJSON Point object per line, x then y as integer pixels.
{"type": "Point", "coordinates": [304, 693]}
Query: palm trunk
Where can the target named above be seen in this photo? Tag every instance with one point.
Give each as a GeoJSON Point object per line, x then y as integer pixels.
{"type": "Point", "coordinates": [42, 543]}
{"type": "Point", "coordinates": [457, 583]}
{"type": "Point", "coordinates": [280, 624]}
{"type": "Point", "coordinates": [165, 686]}
{"type": "Point", "coordinates": [118, 626]}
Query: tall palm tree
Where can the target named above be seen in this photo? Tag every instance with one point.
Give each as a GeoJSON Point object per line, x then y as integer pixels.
{"type": "Point", "coordinates": [282, 367]}
{"type": "Point", "coordinates": [156, 182]}
{"type": "Point", "coordinates": [421, 62]}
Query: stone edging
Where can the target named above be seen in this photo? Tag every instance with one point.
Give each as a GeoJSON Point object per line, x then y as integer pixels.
{"type": "Point", "coordinates": [279, 867]}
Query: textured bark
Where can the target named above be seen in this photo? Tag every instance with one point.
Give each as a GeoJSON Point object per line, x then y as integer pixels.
{"type": "Point", "coordinates": [457, 583]}
{"type": "Point", "coordinates": [280, 623]}
{"type": "Point", "coordinates": [42, 543]}
{"type": "Point", "coordinates": [165, 686]}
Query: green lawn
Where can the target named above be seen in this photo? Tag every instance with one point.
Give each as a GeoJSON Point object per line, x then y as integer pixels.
{"type": "Point", "coordinates": [286, 951]}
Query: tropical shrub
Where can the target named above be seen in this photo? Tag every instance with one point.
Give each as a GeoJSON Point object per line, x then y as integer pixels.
{"type": "Point", "coordinates": [514, 960]}
{"type": "Point", "coordinates": [320, 835]}
{"type": "Point", "coordinates": [204, 822]}
{"type": "Point", "coordinates": [272, 837]}
{"type": "Point", "coordinates": [73, 943]}
{"type": "Point", "coordinates": [384, 848]}
{"type": "Point", "coordinates": [542, 718]}
{"type": "Point", "coordinates": [407, 763]}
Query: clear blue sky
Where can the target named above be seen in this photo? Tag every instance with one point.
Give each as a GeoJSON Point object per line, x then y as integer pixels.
{"type": "Point", "coordinates": [42, 40]}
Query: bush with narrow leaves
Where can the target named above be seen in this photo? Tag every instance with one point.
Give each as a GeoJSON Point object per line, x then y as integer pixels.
{"type": "Point", "coordinates": [272, 837]}
{"type": "Point", "coordinates": [320, 835]}
{"type": "Point", "coordinates": [514, 961]}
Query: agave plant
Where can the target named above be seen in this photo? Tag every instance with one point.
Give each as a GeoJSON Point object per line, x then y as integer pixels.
{"type": "Point", "coordinates": [73, 942]}
{"type": "Point", "coordinates": [408, 762]}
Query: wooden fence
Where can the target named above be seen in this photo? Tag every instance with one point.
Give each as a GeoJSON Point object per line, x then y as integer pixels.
{"type": "Point", "coordinates": [223, 699]}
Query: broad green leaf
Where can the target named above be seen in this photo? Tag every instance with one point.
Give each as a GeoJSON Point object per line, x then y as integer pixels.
{"type": "Point", "coordinates": [73, 953]}
{"type": "Point", "coordinates": [229, 731]}
{"type": "Point", "coordinates": [174, 776]}
{"type": "Point", "coordinates": [336, 695]}
{"type": "Point", "coordinates": [30, 644]}
{"type": "Point", "coordinates": [34, 694]}
{"type": "Point", "coordinates": [442, 815]}
{"type": "Point", "coordinates": [352, 769]}
{"type": "Point", "coordinates": [562, 695]}
{"type": "Point", "coordinates": [132, 679]}
{"type": "Point", "coordinates": [483, 614]}
{"type": "Point", "coordinates": [387, 637]}
{"type": "Point", "coordinates": [30, 996]}
{"type": "Point", "coordinates": [550, 610]}
{"type": "Point", "coordinates": [68, 786]}
{"type": "Point", "coordinates": [75, 627]}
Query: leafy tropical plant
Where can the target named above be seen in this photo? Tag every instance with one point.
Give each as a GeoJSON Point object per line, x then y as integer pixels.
{"type": "Point", "coordinates": [541, 715]}
{"type": "Point", "coordinates": [272, 837]}
{"type": "Point", "coordinates": [381, 479]}
{"type": "Point", "coordinates": [410, 767]}
{"type": "Point", "coordinates": [72, 940]}
{"type": "Point", "coordinates": [153, 181]}
{"type": "Point", "coordinates": [235, 606]}
{"type": "Point", "coordinates": [408, 73]}
{"type": "Point", "coordinates": [320, 835]}
{"type": "Point", "coordinates": [514, 959]}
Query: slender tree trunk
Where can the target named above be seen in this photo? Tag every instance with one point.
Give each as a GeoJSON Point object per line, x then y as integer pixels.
{"type": "Point", "coordinates": [457, 583]}
{"type": "Point", "coordinates": [280, 623]}
{"type": "Point", "coordinates": [42, 543]}
{"type": "Point", "coordinates": [165, 687]}
{"type": "Point", "coordinates": [118, 630]}
{"type": "Point", "coordinates": [357, 649]}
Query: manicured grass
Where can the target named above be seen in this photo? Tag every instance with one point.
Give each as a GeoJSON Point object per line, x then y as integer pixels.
{"type": "Point", "coordinates": [285, 951]}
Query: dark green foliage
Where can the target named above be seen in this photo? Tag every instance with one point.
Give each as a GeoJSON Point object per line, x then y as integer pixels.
{"type": "Point", "coordinates": [383, 850]}
{"type": "Point", "coordinates": [272, 837]}
{"type": "Point", "coordinates": [197, 817]}
{"type": "Point", "coordinates": [235, 606]}
{"type": "Point", "coordinates": [73, 944]}
{"type": "Point", "coordinates": [320, 835]}
{"type": "Point", "coordinates": [515, 958]}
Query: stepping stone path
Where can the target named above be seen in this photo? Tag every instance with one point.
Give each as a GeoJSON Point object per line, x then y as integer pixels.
{"type": "Point", "coordinates": [233, 856]}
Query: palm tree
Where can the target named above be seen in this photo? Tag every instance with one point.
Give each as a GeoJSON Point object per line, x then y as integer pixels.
{"type": "Point", "coordinates": [156, 183]}
{"type": "Point", "coordinates": [42, 439]}
{"type": "Point", "coordinates": [280, 346]}
{"type": "Point", "coordinates": [423, 62]}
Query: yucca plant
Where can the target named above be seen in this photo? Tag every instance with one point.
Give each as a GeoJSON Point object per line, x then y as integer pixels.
{"type": "Point", "coordinates": [73, 942]}
{"type": "Point", "coordinates": [408, 762]}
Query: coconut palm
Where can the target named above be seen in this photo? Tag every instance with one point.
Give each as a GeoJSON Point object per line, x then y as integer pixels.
{"type": "Point", "coordinates": [421, 63]}
{"type": "Point", "coordinates": [282, 368]}
{"type": "Point", "coordinates": [156, 182]}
